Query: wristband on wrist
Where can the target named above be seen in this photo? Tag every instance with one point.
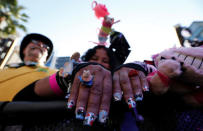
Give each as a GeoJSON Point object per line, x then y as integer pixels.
{"type": "Point", "coordinates": [54, 85]}
{"type": "Point", "coordinates": [140, 66]}
{"type": "Point", "coordinates": [63, 82]}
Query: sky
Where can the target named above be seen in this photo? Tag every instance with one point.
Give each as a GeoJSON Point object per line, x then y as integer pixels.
{"type": "Point", "coordinates": [148, 25]}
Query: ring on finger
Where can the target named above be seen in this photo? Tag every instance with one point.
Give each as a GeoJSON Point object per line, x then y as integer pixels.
{"type": "Point", "coordinates": [86, 79]}
{"type": "Point", "coordinates": [132, 73]}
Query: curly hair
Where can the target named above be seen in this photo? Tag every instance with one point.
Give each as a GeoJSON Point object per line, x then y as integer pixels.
{"type": "Point", "coordinates": [91, 52]}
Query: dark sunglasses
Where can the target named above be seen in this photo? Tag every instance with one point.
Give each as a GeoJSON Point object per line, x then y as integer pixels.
{"type": "Point", "coordinates": [36, 42]}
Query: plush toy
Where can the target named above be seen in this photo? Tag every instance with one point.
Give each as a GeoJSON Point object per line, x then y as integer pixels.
{"type": "Point", "coordinates": [102, 12]}
{"type": "Point", "coordinates": [179, 70]}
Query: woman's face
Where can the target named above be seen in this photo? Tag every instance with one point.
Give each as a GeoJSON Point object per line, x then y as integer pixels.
{"type": "Point", "coordinates": [101, 57]}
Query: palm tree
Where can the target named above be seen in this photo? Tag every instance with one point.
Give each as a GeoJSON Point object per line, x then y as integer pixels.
{"type": "Point", "coordinates": [11, 18]}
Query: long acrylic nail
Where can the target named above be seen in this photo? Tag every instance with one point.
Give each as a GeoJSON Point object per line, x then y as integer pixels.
{"type": "Point", "coordinates": [103, 115]}
{"type": "Point", "coordinates": [138, 97]}
{"type": "Point", "coordinates": [70, 104]}
{"type": "Point", "coordinates": [146, 88]}
{"type": "Point", "coordinates": [131, 103]}
{"type": "Point", "coordinates": [117, 96]}
{"type": "Point", "coordinates": [80, 113]}
{"type": "Point", "coordinates": [89, 119]}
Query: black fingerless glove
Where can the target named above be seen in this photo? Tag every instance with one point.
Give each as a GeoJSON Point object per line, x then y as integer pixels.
{"type": "Point", "coordinates": [63, 82]}
{"type": "Point", "coordinates": [141, 66]}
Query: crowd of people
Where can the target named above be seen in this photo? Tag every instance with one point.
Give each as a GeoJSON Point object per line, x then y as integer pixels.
{"type": "Point", "coordinates": [101, 92]}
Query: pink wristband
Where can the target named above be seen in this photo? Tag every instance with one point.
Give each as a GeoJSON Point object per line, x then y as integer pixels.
{"type": "Point", "coordinates": [54, 85]}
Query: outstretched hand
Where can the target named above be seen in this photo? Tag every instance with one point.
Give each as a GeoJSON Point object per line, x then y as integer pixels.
{"type": "Point", "coordinates": [91, 93]}
{"type": "Point", "coordinates": [130, 83]}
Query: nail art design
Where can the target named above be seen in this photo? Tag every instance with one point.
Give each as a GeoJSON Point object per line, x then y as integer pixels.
{"type": "Point", "coordinates": [117, 96]}
{"type": "Point", "coordinates": [131, 103]}
{"type": "Point", "coordinates": [103, 116]}
{"type": "Point", "coordinates": [70, 104]}
{"type": "Point", "coordinates": [146, 88]}
{"type": "Point", "coordinates": [138, 97]}
{"type": "Point", "coordinates": [89, 119]}
{"type": "Point", "coordinates": [80, 113]}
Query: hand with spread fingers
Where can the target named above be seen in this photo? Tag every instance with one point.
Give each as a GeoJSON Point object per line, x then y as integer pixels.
{"type": "Point", "coordinates": [129, 81]}
{"type": "Point", "coordinates": [91, 90]}
{"type": "Point", "coordinates": [91, 93]}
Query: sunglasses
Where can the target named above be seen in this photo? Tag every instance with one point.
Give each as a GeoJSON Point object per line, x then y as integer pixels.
{"type": "Point", "coordinates": [36, 42]}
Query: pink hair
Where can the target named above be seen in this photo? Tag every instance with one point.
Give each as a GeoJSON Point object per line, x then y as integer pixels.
{"type": "Point", "coordinates": [99, 10]}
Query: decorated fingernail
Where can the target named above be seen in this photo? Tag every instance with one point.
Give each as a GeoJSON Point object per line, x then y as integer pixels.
{"type": "Point", "coordinates": [103, 115]}
{"type": "Point", "coordinates": [80, 113]}
{"type": "Point", "coordinates": [131, 103]}
{"type": "Point", "coordinates": [70, 104]}
{"type": "Point", "coordinates": [89, 119]}
{"type": "Point", "coordinates": [117, 96]}
{"type": "Point", "coordinates": [138, 97]}
{"type": "Point", "coordinates": [146, 88]}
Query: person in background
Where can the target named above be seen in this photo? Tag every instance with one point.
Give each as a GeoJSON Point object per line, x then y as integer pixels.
{"type": "Point", "coordinates": [76, 57]}
{"type": "Point", "coordinates": [19, 80]}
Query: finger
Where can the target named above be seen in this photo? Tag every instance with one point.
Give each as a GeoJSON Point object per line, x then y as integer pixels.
{"type": "Point", "coordinates": [144, 82]}
{"type": "Point", "coordinates": [106, 98]}
{"type": "Point", "coordinates": [94, 98]}
{"type": "Point", "coordinates": [83, 95]}
{"type": "Point", "coordinates": [86, 82]}
{"type": "Point", "coordinates": [137, 87]}
{"type": "Point", "coordinates": [74, 91]}
{"type": "Point", "coordinates": [117, 92]}
{"type": "Point", "coordinates": [126, 87]}
{"type": "Point", "coordinates": [82, 102]}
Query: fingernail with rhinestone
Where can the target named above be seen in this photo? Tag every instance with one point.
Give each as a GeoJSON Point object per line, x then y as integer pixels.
{"type": "Point", "coordinates": [131, 103]}
{"type": "Point", "coordinates": [146, 88]}
{"type": "Point", "coordinates": [103, 115]}
{"type": "Point", "coordinates": [138, 97]}
{"type": "Point", "coordinates": [70, 104]}
{"type": "Point", "coordinates": [80, 113]}
{"type": "Point", "coordinates": [117, 96]}
{"type": "Point", "coordinates": [89, 119]}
